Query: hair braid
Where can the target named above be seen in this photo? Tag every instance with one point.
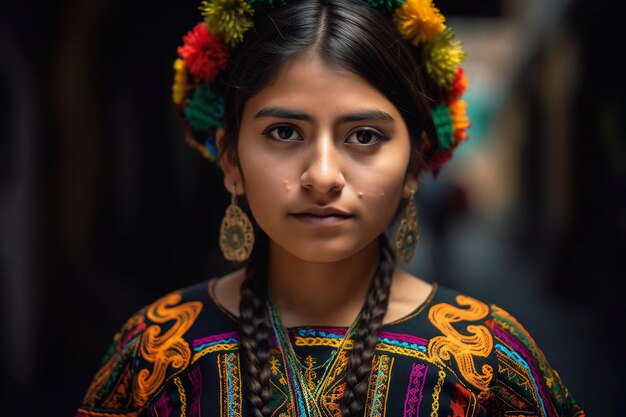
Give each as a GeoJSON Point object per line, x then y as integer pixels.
{"type": "Point", "coordinates": [255, 331]}
{"type": "Point", "coordinates": [366, 335]}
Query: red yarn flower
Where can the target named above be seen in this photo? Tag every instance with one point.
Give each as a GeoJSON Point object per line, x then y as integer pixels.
{"type": "Point", "coordinates": [439, 159]}
{"type": "Point", "coordinates": [204, 53]}
{"type": "Point", "coordinates": [459, 86]}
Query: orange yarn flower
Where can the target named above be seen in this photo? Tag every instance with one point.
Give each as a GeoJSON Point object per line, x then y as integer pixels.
{"type": "Point", "coordinates": [460, 121]}
{"type": "Point", "coordinates": [419, 20]}
{"type": "Point", "coordinates": [204, 53]}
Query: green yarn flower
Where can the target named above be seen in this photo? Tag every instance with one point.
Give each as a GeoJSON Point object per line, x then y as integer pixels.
{"type": "Point", "coordinates": [205, 109]}
{"type": "Point", "coordinates": [442, 56]}
{"type": "Point", "coordinates": [231, 18]}
{"type": "Point", "coordinates": [442, 116]}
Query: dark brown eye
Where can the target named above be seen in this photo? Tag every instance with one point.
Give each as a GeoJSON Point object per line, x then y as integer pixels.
{"type": "Point", "coordinates": [365, 137]}
{"type": "Point", "coordinates": [283, 133]}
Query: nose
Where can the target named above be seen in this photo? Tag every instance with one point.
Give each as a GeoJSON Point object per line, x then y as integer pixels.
{"type": "Point", "coordinates": [322, 172]}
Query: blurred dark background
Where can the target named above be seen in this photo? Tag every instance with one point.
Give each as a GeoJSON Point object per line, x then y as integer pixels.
{"type": "Point", "coordinates": [103, 208]}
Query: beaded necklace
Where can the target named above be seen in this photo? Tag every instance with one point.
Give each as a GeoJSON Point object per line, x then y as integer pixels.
{"type": "Point", "coordinates": [304, 397]}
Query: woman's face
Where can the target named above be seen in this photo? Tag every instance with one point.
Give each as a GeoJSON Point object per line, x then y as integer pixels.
{"type": "Point", "coordinates": [323, 157]}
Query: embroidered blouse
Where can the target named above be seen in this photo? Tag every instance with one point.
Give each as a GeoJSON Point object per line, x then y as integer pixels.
{"type": "Point", "coordinates": [452, 356]}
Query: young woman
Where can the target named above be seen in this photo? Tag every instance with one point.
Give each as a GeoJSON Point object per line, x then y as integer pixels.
{"type": "Point", "coordinates": [323, 115]}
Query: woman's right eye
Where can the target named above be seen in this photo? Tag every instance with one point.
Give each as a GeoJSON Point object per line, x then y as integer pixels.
{"type": "Point", "coordinates": [282, 133]}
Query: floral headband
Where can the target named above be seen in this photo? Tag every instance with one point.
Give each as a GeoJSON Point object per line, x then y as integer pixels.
{"type": "Point", "coordinates": [205, 53]}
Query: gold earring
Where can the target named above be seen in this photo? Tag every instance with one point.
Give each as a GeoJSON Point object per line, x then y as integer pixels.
{"type": "Point", "coordinates": [236, 233]}
{"type": "Point", "coordinates": [408, 232]}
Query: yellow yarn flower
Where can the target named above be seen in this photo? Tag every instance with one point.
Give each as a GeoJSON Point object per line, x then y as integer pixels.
{"type": "Point", "coordinates": [419, 20]}
{"type": "Point", "coordinates": [179, 89]}
{"type": "Point", "coordinates": [443, 55]}
{"type": "Point", "coordinates": [231, 18]}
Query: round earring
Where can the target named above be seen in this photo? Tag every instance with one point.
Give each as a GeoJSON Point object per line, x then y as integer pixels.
{"type": "Point", "coordinates": [408, 232]}
{"type": "Point", "coordinates": [236, 232]}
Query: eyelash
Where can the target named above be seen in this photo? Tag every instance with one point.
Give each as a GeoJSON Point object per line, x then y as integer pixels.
{"type": "Point", "coordinates": [268, 132]}
{"type": "Point", "coordinates": [381, 137]}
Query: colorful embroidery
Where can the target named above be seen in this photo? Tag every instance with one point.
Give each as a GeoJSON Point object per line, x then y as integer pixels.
{"type": "Point", "coordinates": [88, 413]}
{"type": "Point", "coordinates": [528, 383]}
{"type": "Point", "coordinates": [281, 402]}
{"type": "Point", "coordinates": [164, 349]}
{"type": "Point", "coordinates": [403, 344]}
{"type": "Point", "coordinates": [463, 347]}
{"type": "Point", "coordinates": [414, 390]}
{"type": "Point", "coordinates": [439, 376]}
{"type": "Point", "coordinates": [460, 405]}
{"type": "Point", "coordinates": [436, 392]}
{"type": "Point", "coordinates": [519, 364]}
{"type": "Point", "coordinates": [521, 342]}
{"type": "Point", "coordinates": [511, 398]}
{"type": "Point", "coordinates": [310, 376]}
{"type": "Point", "coordinates": [404, 340]}
{"type": "Point", "coordinates": [181, 396]}
{"type": "Point", "coordinates": [332, 389]}
{"type": "Point", "coordinates": [195, 379]}
{"type": "Point", "coordinates": [398, 343]}
{"type": "Point", "coordinates": [111, 384]}
{"type": "Point", "coordinates": [379, 386]}
{"type": "Point", "coordinates": [224, 338]}
{"type": "Point", "coordinates": [321, 337]}
{"type": "Point", "coordinates": [216, 343]}
{"type": "Point", "coordinates": [230, 384]}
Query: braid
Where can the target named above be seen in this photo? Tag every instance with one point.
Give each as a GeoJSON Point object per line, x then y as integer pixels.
{"type": "Point", "coordinates": [366, 335]}
{"type": "Point", "coordinates": [255, 331]}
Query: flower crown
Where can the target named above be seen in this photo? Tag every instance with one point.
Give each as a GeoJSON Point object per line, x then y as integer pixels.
{"type": "Point", "coordinates": [205, 53]}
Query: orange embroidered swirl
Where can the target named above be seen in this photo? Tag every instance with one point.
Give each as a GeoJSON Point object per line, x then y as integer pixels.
{"type": "Point", "coordinates": [167, 349]}
{"type": "Point", "coordinates": [463, 347]}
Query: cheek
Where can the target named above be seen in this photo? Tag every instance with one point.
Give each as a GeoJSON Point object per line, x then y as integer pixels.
{"type": "Point", "coordinates": [265, 186]}
{"type": "Point", "coordinates": [379, 197]}
{"type": "Point", "coordinates": [380, 184]}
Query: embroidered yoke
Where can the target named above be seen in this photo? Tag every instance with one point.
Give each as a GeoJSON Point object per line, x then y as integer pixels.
{"type": "Point", "coordinates": [453, 356]}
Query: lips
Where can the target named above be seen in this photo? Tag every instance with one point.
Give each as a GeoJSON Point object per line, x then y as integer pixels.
{"type": "Point", "coordinates": [323, 211]}
{"type": "Point", "coordinates": [322, 215]}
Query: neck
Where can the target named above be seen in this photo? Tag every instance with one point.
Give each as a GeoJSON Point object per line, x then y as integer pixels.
{"type": "Point", "coordinates": [320, 293]}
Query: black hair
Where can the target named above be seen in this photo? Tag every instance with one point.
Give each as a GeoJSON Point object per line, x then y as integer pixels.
{"type": "Point", "coordinates": [350, 34]}
{"type": "Point", "coordinates": [360, 39]}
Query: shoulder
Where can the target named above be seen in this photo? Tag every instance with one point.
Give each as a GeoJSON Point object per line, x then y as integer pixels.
{"type": "Point", "coordinates": [153, 345]}
{"type": "Point", "coordinates": [496, 356]}
{"type": "Point", "coordinates": [525, 378]}
{"type": "Point", "coordinates": [460, 339]}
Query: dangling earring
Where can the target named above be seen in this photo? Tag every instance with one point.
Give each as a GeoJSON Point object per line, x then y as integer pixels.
{"type": "Point", "coordinates": [408, 232]}
{"type": "Point", "coordinates": [236, 233]}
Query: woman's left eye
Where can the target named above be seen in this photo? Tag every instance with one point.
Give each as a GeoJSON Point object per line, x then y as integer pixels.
{"type": "Point", "coordinates": [366, 137]}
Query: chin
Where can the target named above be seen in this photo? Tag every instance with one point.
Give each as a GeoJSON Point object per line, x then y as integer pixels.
{"type": "Point", "coordinates": [322, 256]}
{"type": "Point", "coordinates": [323, 252]}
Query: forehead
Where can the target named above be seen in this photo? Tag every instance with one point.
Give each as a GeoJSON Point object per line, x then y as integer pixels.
{"type": "Point", "coordinates": [310, 84]}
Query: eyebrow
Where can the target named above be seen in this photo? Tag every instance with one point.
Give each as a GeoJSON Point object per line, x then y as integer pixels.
{"type": "Point", "coordinates": [284, 113]}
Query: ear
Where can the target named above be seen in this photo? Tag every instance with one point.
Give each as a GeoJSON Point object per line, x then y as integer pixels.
{"type": "Point", "coordinates": [229, 166]}
{"type": "Point", "coordinates": [423, 147]}
{"type": "Point", "coordinates": [411, 184]}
